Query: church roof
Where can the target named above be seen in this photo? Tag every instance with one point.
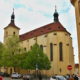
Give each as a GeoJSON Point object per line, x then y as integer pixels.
{"type": "Point", "coordinates": [56, 26]}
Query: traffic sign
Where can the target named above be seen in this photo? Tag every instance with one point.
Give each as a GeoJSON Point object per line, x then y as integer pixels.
{"type": "Point", "coordinates": [69, 67]}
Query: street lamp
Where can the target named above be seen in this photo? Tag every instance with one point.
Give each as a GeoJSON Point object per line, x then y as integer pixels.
{"type": "Point", "coordinates": [37, 67]}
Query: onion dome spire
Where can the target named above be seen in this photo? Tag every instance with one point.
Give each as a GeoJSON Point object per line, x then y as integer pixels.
{"type": "Point", "coordinates": [56, 15]}
{"type": "Point", "coordinates": [12, 17]}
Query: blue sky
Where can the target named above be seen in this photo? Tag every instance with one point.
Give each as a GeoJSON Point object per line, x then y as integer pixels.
{"type": "Point", "coordinates": [31, 14]}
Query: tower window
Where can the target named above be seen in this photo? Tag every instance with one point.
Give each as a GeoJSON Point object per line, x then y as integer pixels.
{"type": "Point", "coordinates": [60, 51]}
{"type": "Point", "coordinates": [51, 51]}
{"type": "Point", "coordinates": [14, 33]}
{"type": "Point", "coordinates": [41, 46]}
{"type": "Point", "coordinates": [6, 33]}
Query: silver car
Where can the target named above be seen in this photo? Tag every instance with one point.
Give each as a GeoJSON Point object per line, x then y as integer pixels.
{"type": "Point", "coordinates": [57, 78]}
{"type": "Point", "coordinates": [15, 75]}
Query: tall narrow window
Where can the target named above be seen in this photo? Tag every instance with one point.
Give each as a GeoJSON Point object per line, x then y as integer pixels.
{"type": "Point", "coordinates": [60, 51]}
{"type": "Point", "coordinates": [41, 46]}
{"type": "Point", "coordinates": [51, 51]}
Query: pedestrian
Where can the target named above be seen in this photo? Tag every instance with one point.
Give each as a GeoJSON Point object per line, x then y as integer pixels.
{"type": "Point", "coordinates": [40, 77]}
{"type": "Point", "coordinates": [75, 77]}
{"type": "Point", "coordinates": [71, 78]}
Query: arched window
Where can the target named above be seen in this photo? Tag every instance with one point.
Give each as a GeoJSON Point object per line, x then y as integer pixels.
{"type": "Point", "coordinates": [60, 51]}
{"type": "Point", "coordinates": [41, 46]}
{"type": "Point", "coordinates": [51, 51]}
{"type": "Point", "coordinates": [14, 33]}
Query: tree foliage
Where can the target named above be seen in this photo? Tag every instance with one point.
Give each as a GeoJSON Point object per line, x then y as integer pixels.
{"type": "Point", "coordinates": [1, 53]}
{"type": "Point", "coordinates": [36, 58]}
{"type": "Point", "coordinates": [12, 53]}
{"type": "Point", "coordinates": [12, 57]}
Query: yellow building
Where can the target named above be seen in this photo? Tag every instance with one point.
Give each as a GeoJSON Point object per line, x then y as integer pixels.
{"type": "Point", "coordinates": [55, 40]}
{"type": "Point", "coordinates": [76, 4]}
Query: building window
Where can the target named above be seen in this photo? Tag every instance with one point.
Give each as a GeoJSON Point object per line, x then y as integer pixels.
{"type": "Point", "coordinates": [55, 33]}
{"type": "Point", "coordinates": [45, 35]}
{"type": "Point", "coordinates": [14, 33]}
{"type": "Point", "coordinates": [24, 49]}
{"type": "Point", "coordinates": [60, 51]}
{"type": "Point", "coordinates": [6, 33]}
{"type": "Point", "coordinates": [51, 51]}
{"type": "Point", "coordinates": [41, 46]}
{"type": "Point", "coordinates": [31, 47]}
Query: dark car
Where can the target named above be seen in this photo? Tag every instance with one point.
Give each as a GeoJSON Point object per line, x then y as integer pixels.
{"type": "Point", "coordinates": [4, 74]}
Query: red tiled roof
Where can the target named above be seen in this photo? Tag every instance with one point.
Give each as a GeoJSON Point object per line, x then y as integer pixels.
{"type": "Point", "coordinates": [57, 26]}
{"type": "Point", "coordinates": [77, 65]}
{"type": "Point", "coordinates": [13, 25]}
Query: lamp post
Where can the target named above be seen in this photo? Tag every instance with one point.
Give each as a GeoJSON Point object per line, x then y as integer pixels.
{"type": "Point", "coordinates": [36, 71]}
{"type": "Point", "coordinates": [37, 67]}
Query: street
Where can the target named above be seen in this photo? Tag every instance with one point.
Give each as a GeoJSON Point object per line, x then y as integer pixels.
{"type": "Point", "coordinates": [19, 79]}
{"type": "Point", "coordinates": [10, 79]}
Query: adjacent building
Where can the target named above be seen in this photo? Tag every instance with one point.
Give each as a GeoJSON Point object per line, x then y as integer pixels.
{"type": "Point", "coordinates": [55, 40]}
{"type": "Point", "coordinates": [76, 4]}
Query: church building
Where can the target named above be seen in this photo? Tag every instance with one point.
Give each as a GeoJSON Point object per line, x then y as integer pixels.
{"type": "Point", "coordinates": [55, 40]}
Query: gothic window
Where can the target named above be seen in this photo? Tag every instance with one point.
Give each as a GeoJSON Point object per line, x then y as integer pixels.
{"type": "Point", "coordinates": [51, 51]}
{"type": "Point", "coordinates": [41, 46]}
{"type": "Point", "coordinates": [60, 51]}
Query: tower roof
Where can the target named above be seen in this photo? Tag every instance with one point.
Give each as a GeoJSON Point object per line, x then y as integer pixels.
{"type": "Point", "coordinates": [56, 15]}
{"type": "Point", "coordinates": [12, 23]}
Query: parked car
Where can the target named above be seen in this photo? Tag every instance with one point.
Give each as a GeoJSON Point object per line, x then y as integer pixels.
{"type": "Point", "coordinates": [26, 76]}
{"type": "Point", "coordinates": [58, 78]}
{"type": "Point", "coordinates": [4, 74]}
{"type": "Point", "coordinates": [16, 75]}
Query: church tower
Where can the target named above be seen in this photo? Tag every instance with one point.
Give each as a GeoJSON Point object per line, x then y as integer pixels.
{"type": "Point", "coordinates": [11, 29]}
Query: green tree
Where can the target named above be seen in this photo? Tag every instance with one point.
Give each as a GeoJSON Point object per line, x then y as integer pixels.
{"type": "Point", "coordinates": [1, 53]}
{"type": "Point", "coordinates": [12, 50]}
{"type": "Point", "coordinates": [36, 58]}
